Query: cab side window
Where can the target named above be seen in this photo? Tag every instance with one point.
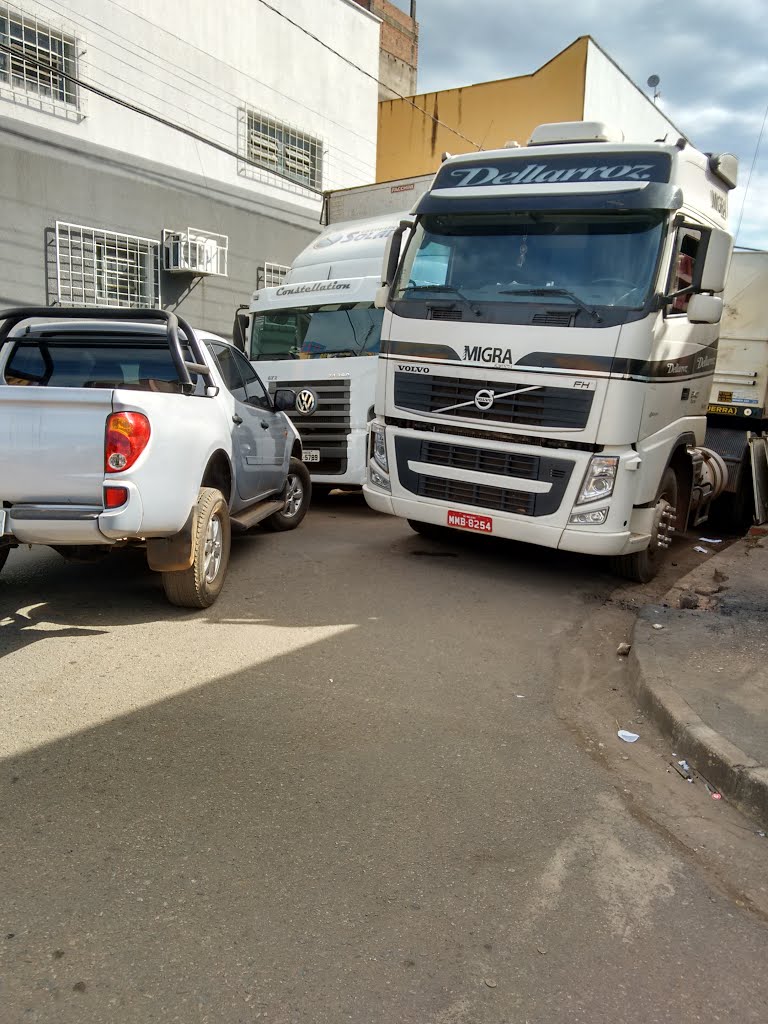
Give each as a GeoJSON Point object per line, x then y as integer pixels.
{"type": "Point", "coordinates": [255, 392]}
{"type": "Point", "coordinates": [684, 266]}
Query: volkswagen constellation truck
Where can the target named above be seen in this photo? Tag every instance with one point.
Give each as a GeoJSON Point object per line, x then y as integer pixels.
{"type": "Point", "coordinates": [320, 329]}
{"type": "Point", "coordinates": [552, 386]}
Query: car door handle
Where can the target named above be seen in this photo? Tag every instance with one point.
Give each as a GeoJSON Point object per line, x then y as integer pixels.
{"type": "Point", "coordinates": [264, 426]}
{"type": "Point", "coordinates": [237, 420]}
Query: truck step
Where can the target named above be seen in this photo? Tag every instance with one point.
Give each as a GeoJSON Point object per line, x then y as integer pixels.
{"type": "Point", "coordinates": [248, 517]}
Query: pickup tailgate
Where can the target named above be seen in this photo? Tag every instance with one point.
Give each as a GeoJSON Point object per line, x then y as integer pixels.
{"type": "Point", "coordinates": [52, 444]}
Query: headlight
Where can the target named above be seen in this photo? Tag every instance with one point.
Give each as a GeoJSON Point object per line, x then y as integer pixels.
{"type": "Point", "coordinates": [379, 447]}
{"type": "Point", "coordinates": [600, 478]}
{"type": "Point", "coordinates": [594, 517]}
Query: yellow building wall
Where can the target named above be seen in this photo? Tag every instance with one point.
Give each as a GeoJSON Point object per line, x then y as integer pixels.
{"type": "Point", "coordinates": [490, 114]}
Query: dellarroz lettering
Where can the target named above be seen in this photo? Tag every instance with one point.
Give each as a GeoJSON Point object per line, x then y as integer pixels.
{"type": "Point", "coordinates": [544, 173]}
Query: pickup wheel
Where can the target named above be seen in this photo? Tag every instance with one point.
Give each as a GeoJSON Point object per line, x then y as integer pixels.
{"type": "Point", "coordinates": [200, 584]}
{"type": "Point", "coordinates": [298, 494]}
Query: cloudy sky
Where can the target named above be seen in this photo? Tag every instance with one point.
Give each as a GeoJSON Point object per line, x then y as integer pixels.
{"type": "Point", "coordinates": [711, 56]}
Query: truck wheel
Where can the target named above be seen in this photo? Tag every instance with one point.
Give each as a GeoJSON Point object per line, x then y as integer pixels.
{"type": "Point", "coordinates": [298, 494]}
{"type": "Point", "coordinates": [200, 584]}
{"type": "Point", "coordinates": [642, 566]}
{"type": "Point", "coordinates": [431, 531]}
{"type": "Point", "coordinates": [4, 552]}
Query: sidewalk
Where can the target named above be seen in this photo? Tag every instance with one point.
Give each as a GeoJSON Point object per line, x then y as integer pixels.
{"type": "Point", "coordinates": [704, 676]}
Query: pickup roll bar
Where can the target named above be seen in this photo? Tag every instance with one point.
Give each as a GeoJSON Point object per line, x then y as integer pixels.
{"type": "Point", "coordinates": [13, 317]}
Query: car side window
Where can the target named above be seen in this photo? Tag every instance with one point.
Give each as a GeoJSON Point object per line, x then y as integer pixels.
{"type": "Point", "coordinates": [256, 393]}
{"type": "Point", "coordinates": [229, 370]}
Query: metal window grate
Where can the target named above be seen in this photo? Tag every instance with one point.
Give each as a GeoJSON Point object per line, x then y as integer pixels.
{"type": "Point", "coordinates": [40, 54]}
{"type": "Point", "coordinates": [104, 268]}
{"type": "Point", "coordinates": [280, 148]}
{"type": "Point", "coordinates": [274, 274]}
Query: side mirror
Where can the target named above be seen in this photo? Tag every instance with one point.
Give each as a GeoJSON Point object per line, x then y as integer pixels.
{"type": "Point", "coordinates": [705, 309]}
{"type": "Point", "coordinates": [240, 328]}
{"type": "Point", "coordinates": [717, 259]}
{"type": "Point", "coordinates": [285, 399]}
{"type": "Point", "coordinates": [381, 296]}
{"type": "Point", "coordinates": [392, 252]}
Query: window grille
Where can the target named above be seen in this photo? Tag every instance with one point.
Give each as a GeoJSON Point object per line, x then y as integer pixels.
{"type": "Point", "coordinates": [280, 148]}
{"type": "Point", "coordinates": [39, 55]}
{"type": "Point", "coordinates": [274, 274]}
{"type": "Point", "coordinates": [104, 268]}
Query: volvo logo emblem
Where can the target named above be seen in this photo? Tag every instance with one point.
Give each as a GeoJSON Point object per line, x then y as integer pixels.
{"type": "Point", "coordinates": [306, 402]}
{"type": "Point", "coordinates": [484, 399]}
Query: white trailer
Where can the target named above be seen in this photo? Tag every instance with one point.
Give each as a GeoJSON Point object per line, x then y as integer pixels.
{"type": "Point", "coordinates": [737, 415]}
{"type": "Point", "coordinates": [319, 331]}
{"type": "Point", "coordinates": [552, 386]}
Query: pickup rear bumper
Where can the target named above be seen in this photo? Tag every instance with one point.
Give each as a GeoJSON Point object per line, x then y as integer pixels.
{"type": "Point", "coordinates": [60, 524]}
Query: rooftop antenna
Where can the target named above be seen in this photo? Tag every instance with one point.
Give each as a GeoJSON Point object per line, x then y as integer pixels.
{"type": "Point", "coordinates": [653, 83]}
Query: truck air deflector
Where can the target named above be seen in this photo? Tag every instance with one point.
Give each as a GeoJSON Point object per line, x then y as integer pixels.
{"type": "Point", "coordinates": [653, 196]}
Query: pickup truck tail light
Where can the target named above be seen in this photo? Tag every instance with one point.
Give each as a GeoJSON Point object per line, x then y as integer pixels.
{"type": "Point", "coordinates": [127, 437]}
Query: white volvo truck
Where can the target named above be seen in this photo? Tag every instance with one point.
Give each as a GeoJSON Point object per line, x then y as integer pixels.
{"type": "Point", "coordinates": [552, 387]}
{"type": "Point", "coordinates": [320, 330]}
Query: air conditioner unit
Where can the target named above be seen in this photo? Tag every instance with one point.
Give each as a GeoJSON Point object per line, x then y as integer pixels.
{"type": "Point", "coordinates": [193, 251]}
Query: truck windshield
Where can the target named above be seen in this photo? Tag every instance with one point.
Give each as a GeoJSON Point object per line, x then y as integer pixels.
{"type": "Point", "coordinates": [317, 332]}
{"type": "Point", "coordinates": [598, 259]}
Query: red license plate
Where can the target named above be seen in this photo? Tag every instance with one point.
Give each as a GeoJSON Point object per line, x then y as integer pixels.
{"type": "Point", "coordinates": [468, 521]}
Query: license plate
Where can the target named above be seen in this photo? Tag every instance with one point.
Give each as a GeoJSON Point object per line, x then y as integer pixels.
{"type": "Point", "coordinates": [311, 455]}
{"type": "Point", "coordinates": [468, 521]}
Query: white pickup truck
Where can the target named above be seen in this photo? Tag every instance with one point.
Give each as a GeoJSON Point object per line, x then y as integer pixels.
{"type": "Point", "coordinates": [127, 427]}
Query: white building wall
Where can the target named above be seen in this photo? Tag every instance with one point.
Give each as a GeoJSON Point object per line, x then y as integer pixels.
{"type": "Point", "coordinates": [611, 96]}
{"type": "Point", "coordinates": [198, 62]}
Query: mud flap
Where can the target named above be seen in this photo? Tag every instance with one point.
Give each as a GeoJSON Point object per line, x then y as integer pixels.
{"type": "Point", "coordinates": [176, 553]}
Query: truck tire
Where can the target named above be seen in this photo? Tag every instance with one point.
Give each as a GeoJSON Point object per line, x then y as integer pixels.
{"type": "Point", "coordinates": [298, 495]}
{"type": "Point", "coordinates": [200, 584]}
{"type": "Point", "coordinates": [430, 531]}
{"type": "Point", "coordinates": [642, 566]}
{"type": "Point", "coordinates": [4, 552]}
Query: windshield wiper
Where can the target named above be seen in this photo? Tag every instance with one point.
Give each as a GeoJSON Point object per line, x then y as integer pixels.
{"type": "Point", "coordinates": [447, 289]}
{"type": "Point", "coordinates": [554, 291]}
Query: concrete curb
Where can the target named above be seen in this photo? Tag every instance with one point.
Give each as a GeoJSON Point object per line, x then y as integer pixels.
{"type": "Point", "coordinates": [741, 779]}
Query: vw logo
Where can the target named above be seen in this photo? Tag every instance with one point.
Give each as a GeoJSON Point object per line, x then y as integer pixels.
{"type": "Point", "coordinates": [306, 402]}
{"type": "Point", "coordinates": [484, 399]}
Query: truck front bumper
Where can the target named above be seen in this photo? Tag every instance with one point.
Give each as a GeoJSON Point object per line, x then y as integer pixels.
{"type": "Point", "coordinates": [430, 476]}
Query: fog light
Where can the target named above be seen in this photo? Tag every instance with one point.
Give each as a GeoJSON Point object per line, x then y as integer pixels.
{"type": "Point", "coordinates": [593, 518]}
{"type": "Point", "coordinates": [377, 479]}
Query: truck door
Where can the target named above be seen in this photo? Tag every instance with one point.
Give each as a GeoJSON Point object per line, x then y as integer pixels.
{"type": "Point", "coordinates": [253, 428]}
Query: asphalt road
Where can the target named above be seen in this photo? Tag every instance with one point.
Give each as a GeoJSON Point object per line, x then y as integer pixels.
{"type": "Point", "coordinates": [351, 791]}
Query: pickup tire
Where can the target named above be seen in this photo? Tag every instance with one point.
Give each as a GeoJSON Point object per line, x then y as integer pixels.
{"type": "Point", "coordinates": [297, 494]}
{"type": "Point", "coordinates": [200, 584]}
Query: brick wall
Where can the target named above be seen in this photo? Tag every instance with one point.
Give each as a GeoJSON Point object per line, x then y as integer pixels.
{"type": "Point", "coordinates": [399, 47]}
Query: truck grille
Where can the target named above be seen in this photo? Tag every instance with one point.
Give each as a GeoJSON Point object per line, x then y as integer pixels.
{"type": "Point", "coordinates": [566, 408]}
{"type": "Point", "coordinates": [556, 472]}
{"type": "Point", "coordinates": [327, 428]}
